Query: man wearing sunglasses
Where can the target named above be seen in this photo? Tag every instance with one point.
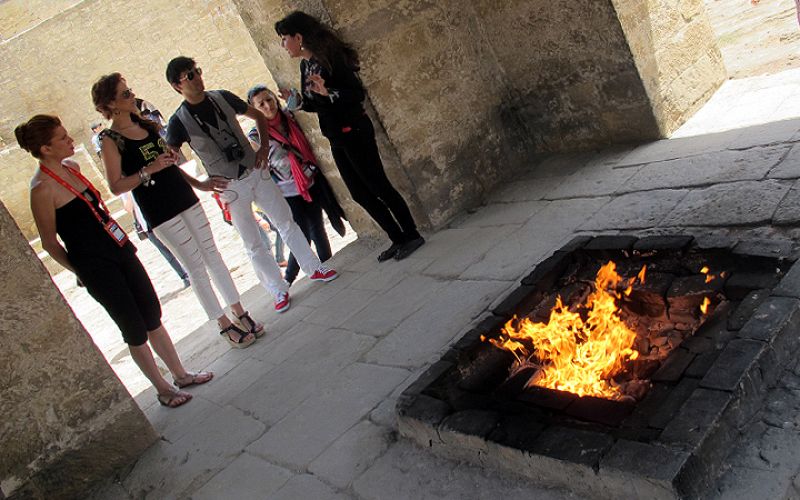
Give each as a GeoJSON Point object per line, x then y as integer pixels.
{"type": "Point", "coordinates": [207, 121]}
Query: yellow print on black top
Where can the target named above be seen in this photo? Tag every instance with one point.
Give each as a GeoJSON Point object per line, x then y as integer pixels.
{"type": "Point", "coordinates": [150, 151]}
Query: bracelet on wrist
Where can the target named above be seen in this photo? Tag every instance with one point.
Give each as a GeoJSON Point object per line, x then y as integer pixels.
{"type": "Point", "coordinates": [145, 178]}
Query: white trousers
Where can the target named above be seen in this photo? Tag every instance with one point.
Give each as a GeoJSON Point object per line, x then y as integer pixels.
{"type": "Point", "coordinates": [188, 236]}
{"type": "Point", "coordinates": [258, 188]}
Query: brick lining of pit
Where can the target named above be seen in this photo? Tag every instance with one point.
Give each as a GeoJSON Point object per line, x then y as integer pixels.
{"type": "Point", "coordinates": [672, 443]}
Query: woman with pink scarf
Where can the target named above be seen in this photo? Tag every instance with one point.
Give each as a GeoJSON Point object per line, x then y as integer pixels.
{"type": "Point", "coordinates": [294, 169]}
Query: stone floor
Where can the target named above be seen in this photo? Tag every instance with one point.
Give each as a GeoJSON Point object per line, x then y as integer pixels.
{"type": "Point", "coordinates": [308, 411]}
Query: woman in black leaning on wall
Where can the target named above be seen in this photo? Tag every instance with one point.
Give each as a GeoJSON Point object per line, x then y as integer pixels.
{"type": "Point", "coordinates": [64, 203]}
{"type": "Point", "coordinates": [330, 86]}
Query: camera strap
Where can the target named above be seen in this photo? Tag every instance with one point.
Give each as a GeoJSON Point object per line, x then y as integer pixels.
{"type": "Point", "coordinates": [220, 116]}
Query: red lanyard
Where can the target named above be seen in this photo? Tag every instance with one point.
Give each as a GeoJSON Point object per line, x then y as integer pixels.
{"type": "Point", "coordinates": [78, 194]}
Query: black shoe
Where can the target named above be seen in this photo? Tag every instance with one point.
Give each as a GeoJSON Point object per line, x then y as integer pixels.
{"type": "Point", "coordinates": [409, 248]}
{"type": "Point", "coordinates": [389, 252]}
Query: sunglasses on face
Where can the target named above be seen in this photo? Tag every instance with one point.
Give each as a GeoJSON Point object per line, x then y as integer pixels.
{"type": "Point", "coordinates": [190, 74]}
{"type": "Point", "coordinates": [127, 93]}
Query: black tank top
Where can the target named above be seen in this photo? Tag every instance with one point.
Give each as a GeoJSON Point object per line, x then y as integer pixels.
{"type": "Point", "coordinates": [170, 195]}
{"type": "Point", "coordinates": [83, 235]}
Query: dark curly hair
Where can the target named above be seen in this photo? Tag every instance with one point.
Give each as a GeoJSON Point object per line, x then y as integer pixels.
{"type": "Point", "coordinates": [320, 40]}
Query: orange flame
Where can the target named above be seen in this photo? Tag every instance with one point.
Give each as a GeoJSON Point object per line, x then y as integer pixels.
{"type": "Point", "coordinates": [704, 305]}
{"type": "Point", "coordinates": [575, 355]}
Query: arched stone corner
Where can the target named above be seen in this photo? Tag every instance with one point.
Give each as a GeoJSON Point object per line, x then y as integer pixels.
{"type": "Point", "coordinates": [67, 421]}
{"type": "Point", "coordinates": [468, 93]}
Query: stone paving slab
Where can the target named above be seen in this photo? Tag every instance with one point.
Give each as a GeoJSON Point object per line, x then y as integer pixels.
{"type": "Point", "coordinates": [419, 339]}
{"type": "Point", "coordinates": [731, 204]}
{"type": "Point", "coordinates": [635, 210]}
{"type": "Point", "coordinates": [407, 474]}
{"type": "Point", "coordinates": [312, 427]}
{"type": "Point", "coordinates": [307, 372]}
{"type": "Point", "coordinates": [480, 242]}
{"type": "Point", "coordinates": [522, 249]}
{"type": "Point", "coordinates": [395, 305]}
{"type": "Point", "coordinates": [788, 211]}
{"type": "Point", "coordinates": [497, 214]}
{"type": "Point", "coordinates": [307, 486]}
{"type": "Point", "coordinates": [169, 470]}
{"type": "Point", "coordinates": [352, 454]}
{"type": "Point", "coordinates": [246, 477]}
{"type": "Point", "coordinates": [593, 181]}
{"type": "Point", "coordinates": [706, 169]}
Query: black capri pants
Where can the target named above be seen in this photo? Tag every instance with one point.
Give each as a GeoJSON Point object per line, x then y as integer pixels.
{"type": "Point", "coordinates": [123, 288]}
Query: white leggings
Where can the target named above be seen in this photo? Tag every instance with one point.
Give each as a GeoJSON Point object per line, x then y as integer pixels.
{"type": "Point", "coordinates": [259, 188]}
{"type": "Point", "coordinates": [188, 236]}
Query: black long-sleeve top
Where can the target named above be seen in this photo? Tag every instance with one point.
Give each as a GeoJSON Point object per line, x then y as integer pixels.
{"type": "Point", "coordinates": [343, 105]}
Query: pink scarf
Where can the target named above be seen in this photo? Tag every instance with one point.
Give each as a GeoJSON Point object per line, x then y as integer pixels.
{"type": "Point", "coordinates": [299, 144]}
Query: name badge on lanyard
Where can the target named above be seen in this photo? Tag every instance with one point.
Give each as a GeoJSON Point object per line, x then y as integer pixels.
{"type": "Point", "coordinates": [108, 222]}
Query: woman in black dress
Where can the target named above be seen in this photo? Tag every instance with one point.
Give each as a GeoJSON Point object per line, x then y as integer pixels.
{"type": "Point", "coordinates": [330, 86]}
{"type": "Point", "coordinates": [66, 204]}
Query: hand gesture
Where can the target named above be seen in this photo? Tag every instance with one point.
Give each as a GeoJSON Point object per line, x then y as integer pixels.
{"type": "Point", "coordinates": [262, 156]}
{"type": "Point", "coordinates": [214, 183]}
{"type": "Point", "coordinates": [162, 161]}
{"type": "Point", "coordinates": [284, 93]}
{"type": "Point", "coordinates": [316, 84]}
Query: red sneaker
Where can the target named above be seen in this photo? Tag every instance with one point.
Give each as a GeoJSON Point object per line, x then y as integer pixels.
{"type": "Point", "coordinates": [324, 274]}
{"type": "Point", "coordinates": [282, 302]}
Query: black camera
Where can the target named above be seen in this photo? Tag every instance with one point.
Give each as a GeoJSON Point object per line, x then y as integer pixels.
{"type": "Point", "coordinates": [234, 152]}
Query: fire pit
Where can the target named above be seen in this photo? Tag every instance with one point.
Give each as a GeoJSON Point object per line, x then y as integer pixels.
{"type": "Point", "coordinates": [620, 366]}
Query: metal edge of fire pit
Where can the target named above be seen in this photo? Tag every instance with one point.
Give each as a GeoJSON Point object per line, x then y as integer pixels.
{"type": "Point", "coordinates": [689, 453]}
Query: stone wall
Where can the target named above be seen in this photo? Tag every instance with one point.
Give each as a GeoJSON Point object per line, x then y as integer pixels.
{"type": "Point", "coordinates": [677, 55]}
{"type": "Point", "coordinates": [467, 92]}
{"type": "Point", "coordinates": [17, 16]}
{"type": "Point", "coordinates": [66, 419]}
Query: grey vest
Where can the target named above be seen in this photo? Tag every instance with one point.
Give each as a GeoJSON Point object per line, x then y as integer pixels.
{"type": "Point", "coordinates": [209, 151]}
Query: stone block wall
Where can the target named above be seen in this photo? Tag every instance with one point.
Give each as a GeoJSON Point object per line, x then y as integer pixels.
{"type": "Point", "coordinates": [676, 53]}
{"type": "Point", "coordinates": [67, 421]}
{"type": "Point", "coordinates": [469, 92]}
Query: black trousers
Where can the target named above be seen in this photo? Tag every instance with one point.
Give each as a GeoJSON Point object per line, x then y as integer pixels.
{"type": "Point", "coordinates": [123, 288]}
{"type": "Point", "coordinates": [359, 162]}
{"type": "Point", "coordinates": [309, 217]}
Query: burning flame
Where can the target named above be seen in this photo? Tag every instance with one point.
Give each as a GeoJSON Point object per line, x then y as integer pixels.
{"type": "Point", "coordinates": [575, 355]}
{"type": "Point", "coordinates": [704, 305]}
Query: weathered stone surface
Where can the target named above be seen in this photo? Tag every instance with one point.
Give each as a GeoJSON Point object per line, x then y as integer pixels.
{"type": "Point", "coordinates": [740, 284]}
{"type": "Point", "coordinates": [351, 454]}
{"type": "Point", "coordinates": [790, 284]}
{"type": "Point", "coordinates": [306, 373]}
{"type": "Point", "coordinates": [246, 477]}
{"type": "Point", "coordinates": [315, 424]}
{"type": "Point", "coordinates": [394, 306]}
{"type": "Point", "coordinates": [611, 242]}
{"type": "Point", "coordinates": [696, 419]}
{"type": "Point", "coordinates": [442, 317]}
{"type": "Point", "coordinates": [573, 445]}
{"type": "Point", "coordinates": [636, 210]}
{"type": "Point", "coordinates": [788, 211]}
{"type": "Point", "coordinates": [773, 317]}
{"type": "Point", "coordinates": [642, 470]}
{"type": "Point", "coordinates": [771, 248]}
{"type": "Point", "coordinates": [663, 409]}
{"type": "Point", "coordinates": [673, 367]}
{"type": "Point", "coordinates": [663, 242]}
{"type": "Point", "coordinates": [524, 247]}
{"type": "Point", "coordinates": [68, 421]}
{"type": "Point", "coordinates": [747, 307]}
{"type": "Point", "coordinates": [706, 169]}
{"type": "Point", "coordinates": [733, 363]}
{"type": "Point", "coordinates": [735, 203]}
{"type": "Point", "coordinates": [590, 182]}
